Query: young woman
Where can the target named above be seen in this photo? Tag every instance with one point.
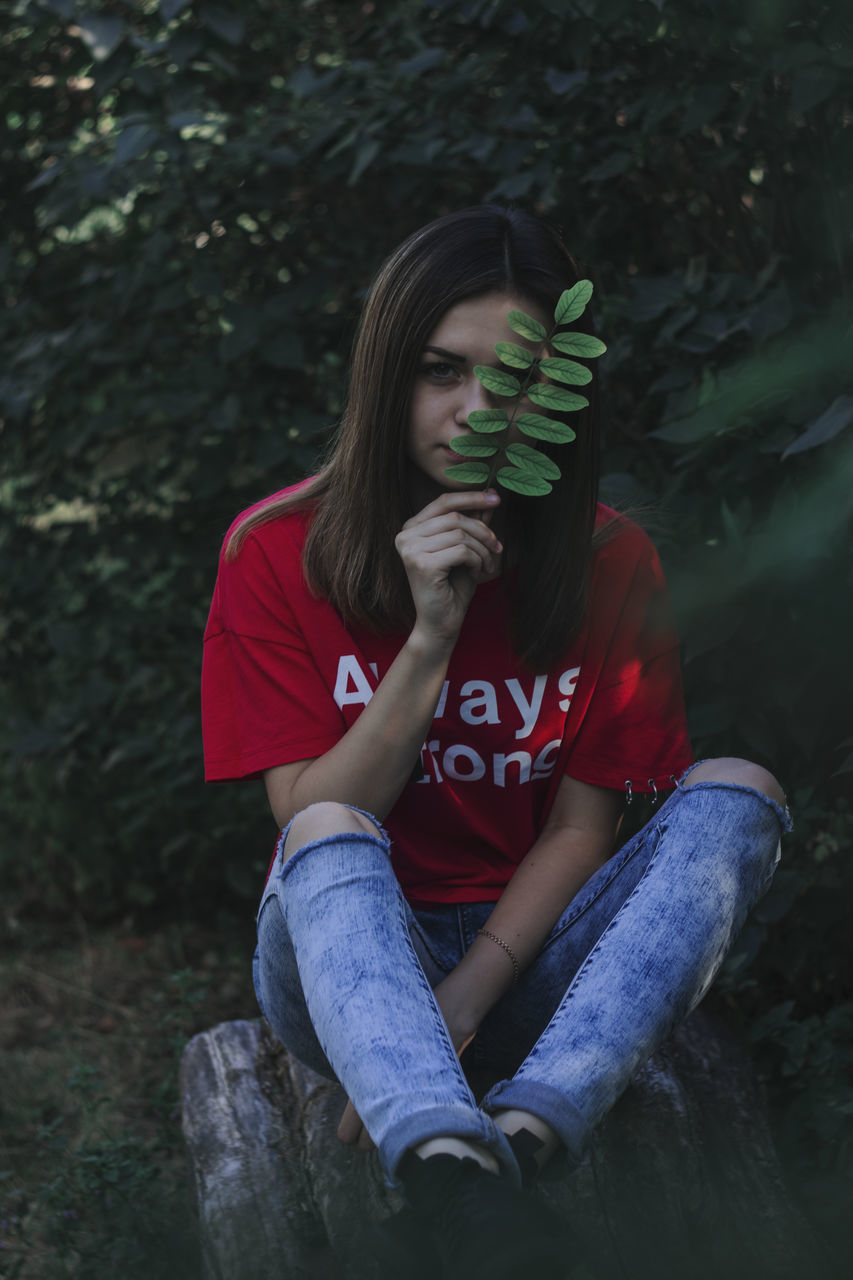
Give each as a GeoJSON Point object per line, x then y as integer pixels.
{"type": "Point", "coordinates": [450, 696]}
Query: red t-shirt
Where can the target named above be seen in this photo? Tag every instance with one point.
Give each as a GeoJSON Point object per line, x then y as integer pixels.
{"type": "Point", "coordinates": [283, 679]}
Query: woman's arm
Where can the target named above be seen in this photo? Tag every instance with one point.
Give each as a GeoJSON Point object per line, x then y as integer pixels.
{"type": "Point", "coordinates": [575, 841]}
{"type": "Point", "coordinates": [446, 551]}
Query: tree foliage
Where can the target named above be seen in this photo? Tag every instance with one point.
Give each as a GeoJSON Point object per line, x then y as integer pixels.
{"type": "Point", "coordinates": [196, 194]}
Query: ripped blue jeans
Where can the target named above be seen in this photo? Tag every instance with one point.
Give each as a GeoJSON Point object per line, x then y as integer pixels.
{"type": "Point", "coordinates": [345, 968]}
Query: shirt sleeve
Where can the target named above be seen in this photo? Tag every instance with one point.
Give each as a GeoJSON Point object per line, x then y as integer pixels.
{"type": "Point", "coordinates": [265, 701]}
{"type": "Point", "coordinates": [634, 730]}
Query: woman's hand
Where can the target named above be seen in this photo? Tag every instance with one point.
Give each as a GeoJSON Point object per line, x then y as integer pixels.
{"type": "Point", "coordinates": [447, 549]}
{"type": "Point", "coordinates": [352, 1132]}
{"type": "Point", "coordinates": [455, 999]}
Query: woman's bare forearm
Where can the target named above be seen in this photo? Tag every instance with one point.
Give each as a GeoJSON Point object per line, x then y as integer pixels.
{"type": "Point", "coordinates": [374, 759]}
{"type": "Point", "coordinates": [575, 842]}
{"type": "Point", "coordinates": [445, 551]}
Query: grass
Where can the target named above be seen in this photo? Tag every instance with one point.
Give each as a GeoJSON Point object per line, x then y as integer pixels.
{"type": "Point", "coordinates": [92, 1172]}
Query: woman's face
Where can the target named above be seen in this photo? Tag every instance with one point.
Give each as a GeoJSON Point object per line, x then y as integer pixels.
{"type": "Point", "coordinates": [446, 389]}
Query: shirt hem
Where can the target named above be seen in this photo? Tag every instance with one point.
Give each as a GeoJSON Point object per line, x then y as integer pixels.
{"type": "Point", "coordinates": [241, 769]}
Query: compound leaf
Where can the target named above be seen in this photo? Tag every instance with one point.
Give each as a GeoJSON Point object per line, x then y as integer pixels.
{"type": "Point", "coordinates": [468, 472]}
{"type": "Point", "coordinates": [529, 459]}
{"type": "Point", "coordinates": [542, 428]}
{"type": "Point", "coordinates": [576, 375]}
{"type": "Point", "coordinates": [473, 447]}
{"type": "Point", "coordinates": [521, 322]}
{"type": "Point", "coordinates": [556, 398]}
{"type": "Point", "coordinates": [515, 356]}
{"type": "Point", "coordinates": [579, 344]}
{"type": "Point", "coordinates": [496, 381]}
{"type": "Point", "coordinates": [529, 483]}
{"type": "Point", "coordinates": [573, 302]}
{"type": "Point", "coordinates": [487, 420]}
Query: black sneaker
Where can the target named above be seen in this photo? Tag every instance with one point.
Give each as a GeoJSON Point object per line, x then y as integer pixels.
{"type": "Point", "coordinates": [483, 1227]}
{"type": "Point", "coordinates": [524, 1147]}
{"type": "Point", "coordinates": [401, 1246]}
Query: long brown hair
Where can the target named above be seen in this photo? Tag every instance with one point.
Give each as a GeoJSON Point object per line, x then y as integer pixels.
{"type": "Point", "coordinates": [359, 499]}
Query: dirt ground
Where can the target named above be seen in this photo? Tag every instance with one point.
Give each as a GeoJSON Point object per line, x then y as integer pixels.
{"type": "Point", "coordinates": [92, 1024]}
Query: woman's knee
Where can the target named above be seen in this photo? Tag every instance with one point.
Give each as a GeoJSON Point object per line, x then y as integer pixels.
{"type": "Point", "coordinates": [744, 773]}
{"type": "Point", "coordinates": [323, 819]}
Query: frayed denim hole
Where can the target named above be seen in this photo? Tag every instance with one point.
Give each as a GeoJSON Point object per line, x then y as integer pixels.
{"type": "Point", "coordinates": [346, 837]}
{"type": "Point", "coordinates": [620, 859]}
{"type": "Point", "coordinates": [786, 821]}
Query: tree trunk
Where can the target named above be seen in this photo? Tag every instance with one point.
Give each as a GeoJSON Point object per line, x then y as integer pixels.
{"type": "Point", "coordinates": [681, 1179]}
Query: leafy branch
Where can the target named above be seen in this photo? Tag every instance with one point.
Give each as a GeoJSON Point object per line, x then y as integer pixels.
{"type": "Point", "coordinates": [518, 466]}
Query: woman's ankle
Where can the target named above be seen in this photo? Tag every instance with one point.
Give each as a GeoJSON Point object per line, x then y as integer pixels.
{"type": "Point", "coordinates": [461, 1148]}
{"type": "Point", "coordinates": [533, 1141]}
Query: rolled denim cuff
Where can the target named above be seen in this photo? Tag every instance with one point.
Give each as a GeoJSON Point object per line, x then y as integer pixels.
{"type": "Point", "coordinates": [548, 1104]}
{"type": "Point", "coordinates": [446, 1122]}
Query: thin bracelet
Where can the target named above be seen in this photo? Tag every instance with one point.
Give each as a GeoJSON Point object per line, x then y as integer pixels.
{"type": "Point", "coordinates": [493, 937]}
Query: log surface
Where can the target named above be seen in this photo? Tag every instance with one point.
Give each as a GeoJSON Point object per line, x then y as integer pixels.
{"type": "Point", "coordinates": [681, 1179]}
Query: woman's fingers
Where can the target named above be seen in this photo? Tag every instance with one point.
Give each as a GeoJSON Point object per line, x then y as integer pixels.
{"type": "Point", "coordinates": [365, 1142]}
{"type": "Point", "coordinates": [478, 500]}
{"type": "Point", "coordinates": [447, 549]}
{"type": "Point", "coordinates": [429, 553]}
{"type": "Point", "coordinates": [452, 522]}
{"type": "Point", "coordinates": [349, 1126]}
{"type": "Point", "coordinates": [351, 1131]}
{"type": "Point", "coordinates": [424, 536]}
{"type": "Point", "coordinates": [469, 510]}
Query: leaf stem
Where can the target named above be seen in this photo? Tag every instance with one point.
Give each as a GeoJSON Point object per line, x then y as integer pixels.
{"type": "Point", "coordinates": [493, 465]}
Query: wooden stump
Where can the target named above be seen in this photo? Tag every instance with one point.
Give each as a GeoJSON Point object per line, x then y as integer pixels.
{"type": "Point", "coordinates": [681, 1180]}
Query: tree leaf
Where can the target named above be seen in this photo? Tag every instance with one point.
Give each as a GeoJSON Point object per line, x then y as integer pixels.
{"type": "Point", "coordinates": [496, 381]}
{"type": "Point", "coordinates": [833, 420]}
{"type": "Point", "coordinates": [527, 483]}
{"type": "Point", "coordinates": [488, 420]}
{"type": "Point", "coordinates": [229, 26]}
{"type": "Point", "coordinates": [541, 428]}
{"type": "Point", "coordinates": [132, 141]}
{"type": "Point", "coordinates": [426, 60]}
{"type": "Point", "coordinates": [521, 322]}
{"type": "Point", "coordinates": [513, 355]}
{"type": "Point", "coordinates": [473, 447]}
{"type": "Point", "coordinates": [576, 375]}
{"type": "Point", "coordinates": [468, 472]}
{"type": "Point", "coordinates": [573, 302]}
{"type": "Point", "coordinates": [171, 8]}
{"type": "Point", "coordinates": [528, 458]}
{"type": "Point", "coordinates": [101, 35]}
{"type": "Point", "coordinates": [366, 154]}
{"type": "Point", "coordinates": [579, 344]}
{"type": "Point", "coordinates": [610, 167]}
{"type": "Point", "coordinates": [561, 82]}
{"type": "Point", "coordinates": [555, 398]}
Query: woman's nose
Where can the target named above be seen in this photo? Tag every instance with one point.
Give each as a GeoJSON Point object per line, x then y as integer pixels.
{"type": "Point", "coordinates": [474, 396]}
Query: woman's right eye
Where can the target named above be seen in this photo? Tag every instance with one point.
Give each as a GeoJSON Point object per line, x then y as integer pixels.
{"type": "Point", "coordinates": [438, 370]}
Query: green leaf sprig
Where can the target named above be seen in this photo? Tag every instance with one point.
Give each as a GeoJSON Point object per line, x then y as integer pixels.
{"type": "Point", "coordinates": [522, 467]}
